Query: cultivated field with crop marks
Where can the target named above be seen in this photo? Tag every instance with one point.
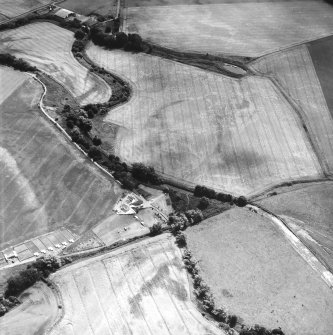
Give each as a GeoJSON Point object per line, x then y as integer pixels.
{"type": "Point", "coordinates": [309, 211]}
{"type": "Point", "coordinates": [205, 128]}
{"type": "Point", "coordinates": [87, 7]}
{"type": "Point", "coordinates": [294, 70]}
{"type": "Point", "coordinates": [48, 47]}
{"type": "Point", "coordinates": [139, 289]}
{"type": "Point", "coordinates": [45, 182]}
{"type": "Point", "coordinates": [12, 8]}
{"type": "Point", "coordinates": [254, 272]}
{"type": "Point", "coordinates": [246, 29]}
{"type": "Point", "coordinates": [39, 310]}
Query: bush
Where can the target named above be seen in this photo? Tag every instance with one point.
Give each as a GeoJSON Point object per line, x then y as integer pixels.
{"type": "Point", "coordinates": [241, 201]}
{"type": "Point", "coordinates": [95, 154]}
{"type": "Point", "coordinates": [79, 34]}
{"type": "Point", "coordinates": [181, 240]}
{"type": "Point", "coordinates": [96, 141]}
{"type": "Point", "coordinates": [155, 229]}
{"type": "Point", "coordinates": [194, 216]}
{"type": "Point", "coordinates": [145, 173]}
{"type": "Point", "coordinates": [232, 320]}
{"type": "Point", "coordinates": [203, 203]}
{"type": "Point", "coordinates": [200, 191]}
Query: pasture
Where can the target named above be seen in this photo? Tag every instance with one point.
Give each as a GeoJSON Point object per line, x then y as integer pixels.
{"type": "Point", "coordinates": [45, 182]}
{"type": "Point", "coordinates": [321, 52]}
{"type": "Point", "coordinates": [255, 273]}
{"type": "Point", "coordinates": [294, 70]}
{"type": "Point", "coordinates": [309, 212]}
{"type": "Point", "coordinates": [203, 128]}
{"type": "Point", "coordinates": [48, 47]}
{"type": "Point", "coordinates": [12, 8]}
{"type": "Point", "coordinates": [139, 289]}
{"type": "Point", "coordinates": [145, 3]}
{"type": "Point", "coordinates": [87, 7]}
{"type": "Point", "coordinates": [243, 29]}
{"type": "Point", "coordinates": [38, 311]}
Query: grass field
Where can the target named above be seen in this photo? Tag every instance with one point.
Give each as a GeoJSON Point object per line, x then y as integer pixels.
{"type": "Point", "coordinates": [245, 29]}
{"type": "Point", "coordinates": [38, 311]}
{"type": "Point", "coordinates": [140, 289]}
{"type": "Point", "coordinates": [255, 273]}
{"type": "Point", "coordinates": [12, 8]}
{"type": "Point", "coordinates": [45, 182]}
{"type": "Point", "coordinates": [87, 7]}
{"type": "Point", "coordinates": [294, 70]}
{"type": "Point", "coordinates": [48, 47]}
{"type": "Point", "coordinates": [310, 210]}
{"type": "Point", "coordinates": [321, 52]}
{"type": "Point", "coordinates": [204, 128]}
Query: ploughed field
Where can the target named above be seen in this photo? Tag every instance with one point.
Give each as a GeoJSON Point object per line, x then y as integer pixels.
{"type": "Point", "coordinates": [255, 273]}
{"type": "Point", "coordinates": [48, 47]}
{"type": "Point", "coordinates": [139, 289]}
{"type": "Point", "coordinates": [308, 212]}
{"type": "Point", "coordinates": [38, 312]}
{"type": "Point", "coordinates": [294, 71]}
{"type": "Point", "coordinates": [12, 8]}
{"type": "Point", "coordinates": [238, 135]}
{"type": "Point", "coordinates": [45, 182]}
{"type": "Point", "coordinates": [246, 29]}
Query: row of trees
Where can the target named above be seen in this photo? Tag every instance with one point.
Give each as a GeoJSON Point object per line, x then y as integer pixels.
{"type": "Point", "coordinates": [203, 191]}
{"type": "Point", "coordinates": [130, 42]}
{"type": "Point", "coordinates": [16, 63]}
{"type": "Point", "coordinates": [42, 268]}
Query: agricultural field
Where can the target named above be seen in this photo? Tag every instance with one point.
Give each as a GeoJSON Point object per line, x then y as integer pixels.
{"type": "Point", "coordinates": [48, 47]}
{"type": "Point", "coordinates": [203, 128]}
{"type": "Point", "coordinates": [39, 310]}
{"type": "Point", "coordinates": [45, 182]}
{"type": "Point", "coordinates": [294, 70]}
{"type": "Point", "coordinates": [145, 3]}
{"type": "Point", "coordinates": [139, 289]}
{"type": "Point", "coordinates": [12, 8]}
{"type": "Point", "coordinates": [255, 273]}
{"type": "Point", "coordinates": [308, 211]}
{"type": "Point", "coordinates": [88, 7]}
{"type": "Point", "coordinates": [321, 52]}
{"type": "Point", "coordinates": [243, 29]}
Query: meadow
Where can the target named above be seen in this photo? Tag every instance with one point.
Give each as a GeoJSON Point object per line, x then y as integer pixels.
{"type": "Point", "coordinates": [48, 47]}
{"type": "Point", "coordinates": [236, 135]}
{"type": "Point", "coordinates": [255, 273]}
{"type": "Point", "coordinates": [139, 289]}
{"type": "Point", "coordinates": [87, 7]}
{"type": "Point", "coordinates": [45, 182]}
{"type": "Point", "coordinates": [244, 29]}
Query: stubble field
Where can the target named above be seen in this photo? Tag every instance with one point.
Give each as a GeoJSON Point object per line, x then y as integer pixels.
{"type": "Point", "coordinates": [12, 8]}
{"type": "Point", "coordinates": [294, 70]}
{"type": "Point", "coordinates": [202, 128]}
{"type": "Point", "coordinates": [38, 311]}
{"type": "Point", "coordinates": [255, 273]}
{"type": "Point", "coordinates": [140, 289]}
{"type": "Point", "coordinates": [48, 47]}
{"type": "Point", "coordinates": [45, 182]}
{"type": "Point", "coordinates": [245, 29]}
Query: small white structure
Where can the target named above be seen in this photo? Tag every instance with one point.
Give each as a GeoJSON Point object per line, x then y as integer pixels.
{"type": "Point", "coordinates": [50, 248]}
{"type": "Point", "coordinates": [57, 245]}
{"type": "Point", "coordinates": [71, 240]}
{"type": "Point", "coordinates": [36, 254]}
{"type": "Point", "coordinates": [64, 243]}
{"type": "Point", "coordinates": [43, 251]}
